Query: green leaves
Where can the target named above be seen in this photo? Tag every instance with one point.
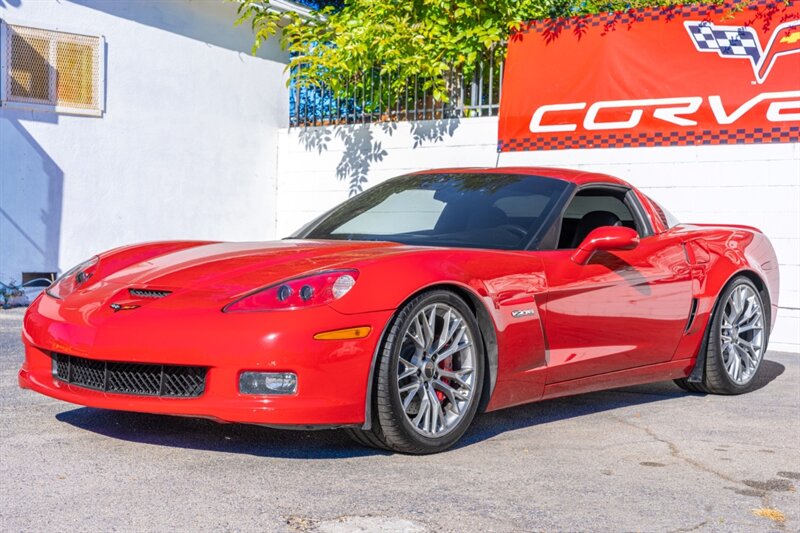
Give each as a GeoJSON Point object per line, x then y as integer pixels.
{"type": "Point", "coordinates": [426, 40]}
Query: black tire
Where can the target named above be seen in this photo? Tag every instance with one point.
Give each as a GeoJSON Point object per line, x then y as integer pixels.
{"type": "Point", "coordinates": [391, 428]}
{"type": "Point", "coordinates": [716, 379]}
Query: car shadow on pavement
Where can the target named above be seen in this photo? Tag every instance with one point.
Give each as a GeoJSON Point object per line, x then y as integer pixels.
{"type": "Point", "coordinates": [200, 434]}
{"type": "Point", "coordinates": [497, 422]}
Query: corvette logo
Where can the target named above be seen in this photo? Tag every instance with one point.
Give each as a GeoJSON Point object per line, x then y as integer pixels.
{"type": "Point", "coordinates": [742, 42]}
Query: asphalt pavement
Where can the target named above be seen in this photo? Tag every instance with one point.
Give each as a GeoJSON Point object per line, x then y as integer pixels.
{"type": "Point", "coordinates": [645, 458]}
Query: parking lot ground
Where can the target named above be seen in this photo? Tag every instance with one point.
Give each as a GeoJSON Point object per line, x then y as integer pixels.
{"type": "Point", "coordinates": [645, 458]}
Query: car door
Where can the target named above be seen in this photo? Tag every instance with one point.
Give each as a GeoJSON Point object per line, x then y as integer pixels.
{"type": "Point", "coordinates": [624, 308]}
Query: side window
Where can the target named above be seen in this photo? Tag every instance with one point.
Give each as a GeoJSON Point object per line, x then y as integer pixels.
{"type": "Point", "coordinates": [590, 209]}
{"type": "Point", "coordinates": [668, 219]}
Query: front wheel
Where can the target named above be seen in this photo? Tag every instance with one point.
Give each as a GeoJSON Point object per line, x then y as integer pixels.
{"type": "Point", "coordinates": [737, 341]}
{"type": "Point", "coordinates": [429, 376]}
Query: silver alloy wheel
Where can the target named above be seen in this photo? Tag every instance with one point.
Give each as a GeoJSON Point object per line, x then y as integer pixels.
{"type": "Point", "coordinates": [436, 370]}
{"type": "Point", "coordinates": [742, 334]}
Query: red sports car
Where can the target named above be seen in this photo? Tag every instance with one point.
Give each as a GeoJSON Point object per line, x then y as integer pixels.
{"type": "Point", "coordinates": [404, 311]}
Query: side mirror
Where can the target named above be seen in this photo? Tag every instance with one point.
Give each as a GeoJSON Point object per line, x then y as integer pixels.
{"type": "Point", "coordinates": [605, 238]}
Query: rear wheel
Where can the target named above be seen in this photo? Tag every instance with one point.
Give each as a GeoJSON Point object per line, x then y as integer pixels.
{"type": "Point", "coordinates": [737, 340]}
{"type": "Point", "coordinates": [429, 377]}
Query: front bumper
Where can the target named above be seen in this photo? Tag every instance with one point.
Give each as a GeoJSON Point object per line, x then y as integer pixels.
{"type": "Point", "coordinates": [332, 375]}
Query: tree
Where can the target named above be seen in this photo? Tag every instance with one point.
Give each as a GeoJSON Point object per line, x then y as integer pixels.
{"type": "Point", "coordinates": [344, 45]}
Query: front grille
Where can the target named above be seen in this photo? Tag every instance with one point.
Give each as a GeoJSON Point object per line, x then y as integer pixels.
{"type": "Point", "coordinates": [148, 293]}
{"type": "Point", "coordinates": [130, 378]}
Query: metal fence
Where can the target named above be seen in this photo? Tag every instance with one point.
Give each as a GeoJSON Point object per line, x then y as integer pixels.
{"type": "Point", "coordinates": [478, 95]}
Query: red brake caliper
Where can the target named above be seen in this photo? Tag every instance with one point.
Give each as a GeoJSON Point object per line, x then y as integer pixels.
{"type": "Point", "coordinates": [447, 365]}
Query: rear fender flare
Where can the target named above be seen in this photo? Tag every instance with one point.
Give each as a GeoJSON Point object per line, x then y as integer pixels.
{"type": "Point", "coordinates": [699, 370]}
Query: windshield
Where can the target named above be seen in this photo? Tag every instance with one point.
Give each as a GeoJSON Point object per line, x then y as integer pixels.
{"type": "Point", "coordinates": [496, 211]}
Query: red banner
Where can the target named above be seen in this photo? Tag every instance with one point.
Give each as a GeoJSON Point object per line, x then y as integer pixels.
{"type": "Point", "coordinates": [686, 75]}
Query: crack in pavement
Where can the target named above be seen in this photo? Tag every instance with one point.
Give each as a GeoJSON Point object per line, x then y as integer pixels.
{"type": "Point", "coordinates": [678, 454]}
{"type": "Point", "coordinates": [691, 528]}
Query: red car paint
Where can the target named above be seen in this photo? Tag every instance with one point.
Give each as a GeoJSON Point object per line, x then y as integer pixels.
{"type": "Point", "coordinates": [619, 321]}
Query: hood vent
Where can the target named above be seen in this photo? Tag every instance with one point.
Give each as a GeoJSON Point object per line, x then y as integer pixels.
{"type": "Point", "coordinates": [148, 293]}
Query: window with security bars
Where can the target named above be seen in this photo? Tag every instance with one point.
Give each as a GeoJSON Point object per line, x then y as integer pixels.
{"type": "Point", "coordinates": [51, 70]}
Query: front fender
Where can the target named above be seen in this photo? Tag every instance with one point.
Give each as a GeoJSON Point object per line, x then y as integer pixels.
{"type": "Point", "coordinates": [497, 283]}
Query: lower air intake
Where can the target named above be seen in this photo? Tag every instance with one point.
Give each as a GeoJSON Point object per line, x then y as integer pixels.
{"type": "Point", "coordinates": [171, 381]}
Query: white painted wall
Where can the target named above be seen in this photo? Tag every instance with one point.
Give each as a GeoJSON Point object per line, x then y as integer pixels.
{"type": "Point", "coordinates": [754, 185]}
{"type": "Point", "coordinates": [186, 148]}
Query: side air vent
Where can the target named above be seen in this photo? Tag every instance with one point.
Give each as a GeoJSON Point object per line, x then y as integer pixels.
{"type": "Point", "coordinates": [147, 293]}
{"type": "Point", "coordinates": [692, 314]}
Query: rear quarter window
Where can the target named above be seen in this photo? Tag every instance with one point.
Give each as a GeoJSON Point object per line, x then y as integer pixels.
{"type": "Point", "coordinates": [667, 218]}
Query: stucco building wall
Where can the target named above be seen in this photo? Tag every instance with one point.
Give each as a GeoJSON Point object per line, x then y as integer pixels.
{"type": "Point", "coordinates": [186, 148]}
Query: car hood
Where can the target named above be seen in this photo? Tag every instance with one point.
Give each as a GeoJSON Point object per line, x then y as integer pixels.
{"type": "Point", "coordinates": [234, 268]}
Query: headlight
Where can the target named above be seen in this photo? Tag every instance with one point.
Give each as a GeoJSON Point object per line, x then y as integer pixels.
{"type": "Point", "coordinates": [310, 291]}
{"type": "Point", "coordinates": [72, 279]}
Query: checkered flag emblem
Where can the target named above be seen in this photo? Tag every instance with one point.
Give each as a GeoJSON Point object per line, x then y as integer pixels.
{"type": "Point", "coordinates": [741, 42]}
{"type": "Point", "coordinates": [726, 41]}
